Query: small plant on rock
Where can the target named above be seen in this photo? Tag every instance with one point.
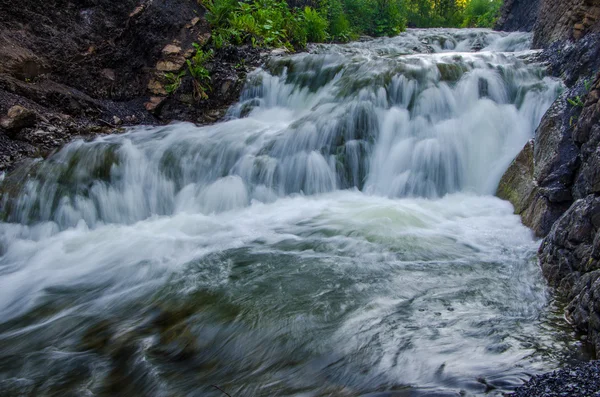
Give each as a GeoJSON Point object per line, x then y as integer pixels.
{"type": "Point", "coordinates": [576, 101]}
{"type": "Point", "coordinates": [173, 81]}
{"type": "Point", "coordinates": [201, 75]}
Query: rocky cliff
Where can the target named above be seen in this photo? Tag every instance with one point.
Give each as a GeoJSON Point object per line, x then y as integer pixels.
{"type": "Point", "coordinates": [551, 20]}
{"type": "Point", "coordinates": [554, 183]}
{"type": "Point", "coordinates": [558, 20]}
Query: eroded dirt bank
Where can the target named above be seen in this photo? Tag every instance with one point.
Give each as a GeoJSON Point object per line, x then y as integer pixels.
{"type": "Point", "coordinates": [91, 67]}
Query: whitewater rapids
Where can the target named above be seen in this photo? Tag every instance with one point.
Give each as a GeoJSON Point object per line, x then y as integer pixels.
{"type": "Point", "coordinates": [336, 235]}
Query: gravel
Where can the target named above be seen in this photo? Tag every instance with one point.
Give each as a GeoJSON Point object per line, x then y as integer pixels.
{"type": "Point", "coordinates": [579, 380]}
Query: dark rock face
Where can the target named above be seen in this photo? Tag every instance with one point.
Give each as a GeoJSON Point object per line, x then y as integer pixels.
{"type": "Point", "coordinates": [551, 20]}
{"type": "Point", "coordinates": [580, 380]}
{"type": "Point", "coordinates": [560, 20]}
{"type": "Point", "coordinates": [555, 186]}
{"type": "Point", "coordinates": [538, 182]}
{"type": "Point", "coordinates": [570, 254]}
{"type": "Point", "coordinates": [518, 15]}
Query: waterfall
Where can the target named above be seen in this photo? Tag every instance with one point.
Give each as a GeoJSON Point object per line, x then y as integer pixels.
{"type": "Point", "coordinates": [403, 117]}
{"type": "Point", "coordinates": [335, 235]}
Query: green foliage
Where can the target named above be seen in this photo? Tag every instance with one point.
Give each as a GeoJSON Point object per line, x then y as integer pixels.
{"type": "Point", "coordinates": [219, 11]}
{"type": "Point", "coordinates": [315, 25]}
{"type": "Point", "coordinates": [452, 13]}
{"type": "Point", "coordinates": [273, 23]}
{"type": "Point", "coordinates": [261, 22]}
{"type": "Point", "coordinates": [173, 81]}
{"type": "Point", "coordinates": [376, 17]}
{"type": "Point", "coordinates": [201, 75]}
{"type": "Point", "coordinates": [338, 25]}
{"type": "Point", "coordinates": [481, 13]}
{"type": "Point", "coordinates": [576, 101]}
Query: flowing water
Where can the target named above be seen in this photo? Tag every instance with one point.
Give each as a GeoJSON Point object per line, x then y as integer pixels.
{"type": "Point", "coordinates": [335, 236]}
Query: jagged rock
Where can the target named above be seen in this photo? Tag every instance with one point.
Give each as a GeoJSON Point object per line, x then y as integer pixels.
{"type": "Point", "coordinates": [171, 49]}
{"type": "Point", "coordinates": [203, 38]}
{"type": "Point", "coordinates": [560, 20]}
{"type": "Point", "coordinates": [156, 87]}
{"type": "Point", "coordinates": [587, 134]}
{"type": "Point", "coordinates": [170, 66]}
{"type": "Point", "coordinates": [570, 260]}
{"type": "Point", "coordinates": [154, 104]}
{"type": "Point", "coordinates": [17, 118]}
{"type": "Point", "coordinates": [555, 154]}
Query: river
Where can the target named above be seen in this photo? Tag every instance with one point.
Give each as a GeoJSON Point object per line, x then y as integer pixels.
{"type": "Point", "coordinates": [336, 235]}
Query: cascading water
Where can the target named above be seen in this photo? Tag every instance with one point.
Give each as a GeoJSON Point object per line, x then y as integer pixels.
{"type": "Point", "coordinates": [335, 236]}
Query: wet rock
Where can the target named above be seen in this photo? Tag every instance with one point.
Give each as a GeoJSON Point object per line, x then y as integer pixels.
{"type": "Point", "coordinates": [517, 184]}
{"type": "Point", "coordinates": [17, 118]}
{"type": "Point", "coordinates": [555, 154]}
{"type": "Point", "coordinates": [538, 182]}
{"type": "Point", "coordinates": [279, 52]}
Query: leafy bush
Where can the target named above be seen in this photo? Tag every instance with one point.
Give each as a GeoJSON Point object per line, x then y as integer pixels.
{"type": "Point", "coordinates": [338, 25]}
{"type": "Point", "coordinates": [219, 11]}
{"type": "Point", "coordinates": [201, 75]}
{"type": "Point", "coordinates": [315, 25]}
{"type": "Point", "coordinates": [376, 17]}
{"type": "Point", "coordinates": [273, 23]}
{"type": "Point", "coordinates": [481, 13]}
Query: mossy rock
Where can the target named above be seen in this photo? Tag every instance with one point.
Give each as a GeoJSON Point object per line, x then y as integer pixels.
{"type": "Point", "coordinates": [517, 184]}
